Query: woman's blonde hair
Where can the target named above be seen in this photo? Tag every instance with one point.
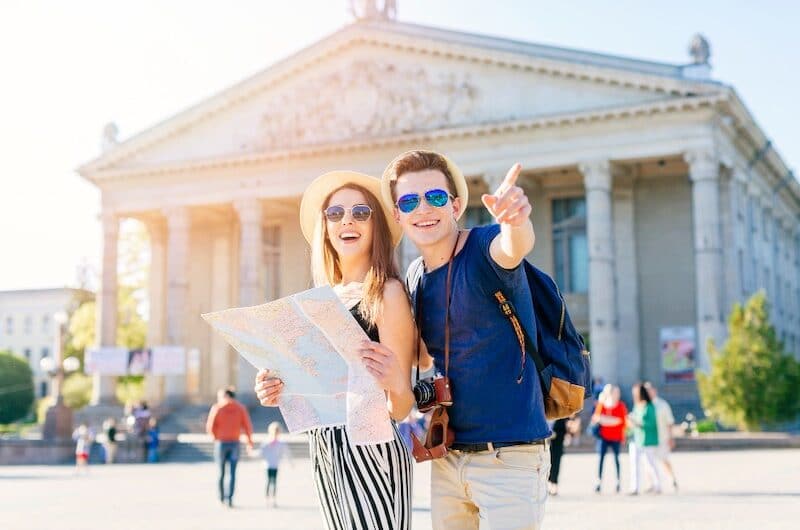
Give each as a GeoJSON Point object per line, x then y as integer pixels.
{"type": "Point", "coordinates": [325, 266]}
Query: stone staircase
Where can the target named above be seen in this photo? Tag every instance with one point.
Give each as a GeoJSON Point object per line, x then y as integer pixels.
{"type": "Point", "coordinates": [185, 439]}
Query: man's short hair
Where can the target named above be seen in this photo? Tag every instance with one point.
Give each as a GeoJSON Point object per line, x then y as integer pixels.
{"type": "Point", "coordinates": [230, 392]}
{"type": "Point", "coordinates": [418, 160]}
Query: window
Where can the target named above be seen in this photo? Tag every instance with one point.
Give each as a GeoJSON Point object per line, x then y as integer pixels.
{"type": "Point", "coordinates": [46, 324]}
{"type": "Point", "coordinates": [45, 352]}
{"type": "Point", "coordinates": [27, 353]}
{"type": "Point", "coordinates": [752, 215]}
{"type": "Point", "coordinates": [570, 246]}
{"type": "Point", "coordinates": [765, 224]}
{"type": "Point", "coordinates": [742, 280]}
{"type": "Point", "coordinates": [477, 216]}
{"type": "Point", "coordinates": [28, 324]}
{"type": "Point", "coordinates": [9, 325]}
{"type": "Point", "coordinates": [271, 239]}
{"type": "Point", "coordinates": [43, 389]}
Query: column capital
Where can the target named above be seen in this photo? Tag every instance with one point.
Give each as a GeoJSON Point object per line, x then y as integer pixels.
{"type": "Point", "coordinates": [110, 221]}
{"type": "Point", "coordinates": [493, 180]}
{"type": "Point", "coordinates": [753, 189]}
{"type": "Point", "coordinates": [703, 164]}
{"type": "Point", "coordinates": [177, 216]}
{"type": "Point", "coordinates": [248, 209]}
{"type": "Point", "coordinates": [596, 174]}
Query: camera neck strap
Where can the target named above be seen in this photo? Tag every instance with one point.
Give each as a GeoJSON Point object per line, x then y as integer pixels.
{"type": "Point", "coordinates": [447, 294]}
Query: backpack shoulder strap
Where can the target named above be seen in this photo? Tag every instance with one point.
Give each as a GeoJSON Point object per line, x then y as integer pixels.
{"type": "Point", "coordinates": [526, 342]}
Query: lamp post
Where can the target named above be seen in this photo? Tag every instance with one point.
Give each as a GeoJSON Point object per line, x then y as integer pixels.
{"type": "Point", "coordinates": [58, 419]}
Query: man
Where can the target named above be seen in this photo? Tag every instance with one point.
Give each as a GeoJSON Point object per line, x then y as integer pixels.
{"type": "Point", "coordinates": [665, 421]}
{"type": "Point", "coordinates": [497, 468]}
{"type": "Point", "coordinates": [226, 420]}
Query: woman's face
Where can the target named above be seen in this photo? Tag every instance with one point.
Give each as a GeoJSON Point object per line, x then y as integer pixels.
{"type": "Point", "coordinates": [615, 395]}
{"type": "Point", "coordinates": [350, 238]}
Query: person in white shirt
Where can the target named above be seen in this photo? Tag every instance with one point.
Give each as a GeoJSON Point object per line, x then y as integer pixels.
{"type": "Point", "coordinates": [273, 450]}
{"type": "Point", "coordinates": [665, 421]}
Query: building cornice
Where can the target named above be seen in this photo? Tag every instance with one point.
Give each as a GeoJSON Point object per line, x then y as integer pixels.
{"type": "Point", "coordinates": [669, 106]}
{"type": "Point", "coordinates": [426, 41]}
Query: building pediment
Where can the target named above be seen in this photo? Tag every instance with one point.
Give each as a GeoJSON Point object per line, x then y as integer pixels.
{"type": "Point", "coordinates": [375, 80]}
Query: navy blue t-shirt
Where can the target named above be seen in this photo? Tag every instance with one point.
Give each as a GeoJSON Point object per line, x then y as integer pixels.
{"type": "Point", "coordinates": [485, 360]}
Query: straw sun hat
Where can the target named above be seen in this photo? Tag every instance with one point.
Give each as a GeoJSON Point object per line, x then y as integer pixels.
{"type": "Point", "coordinates": [324, 185]}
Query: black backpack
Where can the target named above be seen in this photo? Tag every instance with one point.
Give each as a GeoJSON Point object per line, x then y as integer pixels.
{"type": "Point", "coordinates": [550, 339]}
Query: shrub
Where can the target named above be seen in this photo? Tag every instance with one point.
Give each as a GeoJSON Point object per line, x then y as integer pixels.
{"type": "Point", "coordinates": [16, 387]}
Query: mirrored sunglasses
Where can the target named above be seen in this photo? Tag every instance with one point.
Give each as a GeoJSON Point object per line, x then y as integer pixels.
{"type": "Point", "coordinates": [359, 212]}
{"type": "Point", "coordinates": [409, 202]}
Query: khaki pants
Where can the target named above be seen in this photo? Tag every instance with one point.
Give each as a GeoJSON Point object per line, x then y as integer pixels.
{"type": "Point", "coordinates": [506, 487]}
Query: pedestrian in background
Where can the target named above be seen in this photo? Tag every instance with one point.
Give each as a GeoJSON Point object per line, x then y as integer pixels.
{"type": "Point", "coordinates": [645, 428]}
{"type": "Point", "coordinates": [666, 443]}
{"type": "Point", "coordinates": [152, 440]}
{"type": "Point", "coordinates": [609, 415]}
{"type": "Point", "coordinates": [110, 440]}
{"type": "Point", "coordinates": [83, 438]}
{"type": "Point", "coordinates": [226, 421]}
{"type": "Point", "coordinates": [556, 452]}
{"type": "Point", "coordinates": [273, 451]}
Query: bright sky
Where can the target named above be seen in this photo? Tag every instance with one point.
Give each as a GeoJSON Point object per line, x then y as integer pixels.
{"type": "Point", "coordinates": [68, 68]}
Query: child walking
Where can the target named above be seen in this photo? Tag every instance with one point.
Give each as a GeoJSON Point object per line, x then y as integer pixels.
{"type": "Point", "coordinates": [273, 450]}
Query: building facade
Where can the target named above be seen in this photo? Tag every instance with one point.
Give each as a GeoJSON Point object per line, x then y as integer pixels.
{"type": "Point", "coordinates": [657, 200]}
{"type": "Point", "coordinates": [28, 327]}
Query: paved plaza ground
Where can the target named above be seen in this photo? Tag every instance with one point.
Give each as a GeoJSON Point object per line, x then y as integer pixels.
{"type": "Point", "coordinates": [719, 490]}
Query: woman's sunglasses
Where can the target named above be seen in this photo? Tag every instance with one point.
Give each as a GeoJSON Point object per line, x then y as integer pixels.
{"type": "Point", "coordinates": [360, 212]}
{"type": "Point", "coordinates": [409, 202]}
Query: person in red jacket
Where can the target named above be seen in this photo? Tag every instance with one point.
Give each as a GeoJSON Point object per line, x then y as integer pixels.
{"type": "Point", "coordinates": [610, 415]}
{"type": "Point", "coordinates": [226, 420]}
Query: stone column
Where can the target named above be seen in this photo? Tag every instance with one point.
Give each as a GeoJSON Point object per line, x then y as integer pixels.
{"type": "Point", "coordinates": [602, 274]}
{"type": "Point", "coordinates": [250, 290]}
{"type": "Point", "coordinates": [154, 384]}
{"type": "Point", "coordinates": [106, 331]}
{"type": "Point", "coordinates": [704, 174]}
{"type": "Point", "coordinates": [178, 227]}
{"type": "Point", "coordinates": [628, 340]}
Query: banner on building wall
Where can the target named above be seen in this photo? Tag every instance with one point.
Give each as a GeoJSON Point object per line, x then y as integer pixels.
{"type": "Point", "coordinates": [168, 360]}
{"type": "Point", "coordinates": [106, 361]}
{"type": "Point", "coordinates": [678, 353]}
{"type": "Point", "coordinates": [158, 360]}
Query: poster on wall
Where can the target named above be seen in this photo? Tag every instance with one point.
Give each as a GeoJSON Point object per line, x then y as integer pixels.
{"type": "Point", "coordinates": [678, 353]}
{"type": "Point", "coordinates": [168, 360]}
{"type": "Point", "coordinates": [106, 361]}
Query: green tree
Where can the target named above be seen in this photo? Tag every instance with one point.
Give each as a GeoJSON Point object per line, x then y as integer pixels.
{"type": "Point", "coordinates": [132, 308]}
{"type": "Point", "coordinates": [16, 387]}
{"type": "Point", "coordinates": [752, 382]}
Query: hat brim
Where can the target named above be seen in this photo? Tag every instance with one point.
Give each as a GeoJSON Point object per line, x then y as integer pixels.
{"type": "Point", "coordinates": [324, 185]}
{"type": "Point", "coordinates": [462, 190]}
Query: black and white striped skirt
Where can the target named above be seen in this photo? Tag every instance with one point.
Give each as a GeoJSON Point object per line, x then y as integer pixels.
{"type": "Point", "coordinates": [361, 486]}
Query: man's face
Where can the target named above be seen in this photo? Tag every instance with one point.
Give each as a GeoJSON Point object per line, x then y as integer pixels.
{"type": "Point", "coordinates": [427, 224]}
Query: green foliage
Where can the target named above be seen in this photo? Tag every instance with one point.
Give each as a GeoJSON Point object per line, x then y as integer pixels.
{"type": "Point", "coordinates": [42, 404]}
{"type": "Point", "coordinates": [130, 389]}
{"type": "Point", "coordinates": [706, 426]}
{"type": "Point", "coordinates": [752, 382]}
{"type": "Point", "coordinates": [16, 387]}
{"type": "Point", "coordinates": [77, 390]}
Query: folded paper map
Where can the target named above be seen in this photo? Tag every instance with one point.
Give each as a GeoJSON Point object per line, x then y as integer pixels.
{"type": "Point", "coordinates": [311, 341]}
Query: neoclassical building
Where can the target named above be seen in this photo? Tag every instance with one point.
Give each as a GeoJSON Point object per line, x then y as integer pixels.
{"type": "Point", "coordinates": [658, 200]}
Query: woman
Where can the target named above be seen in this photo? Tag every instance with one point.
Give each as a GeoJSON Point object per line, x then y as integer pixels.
{"type": "Point", "coordinates": [352, 249]}
{"type": "Point", "coordinates": [645, 432]}
{"type": "Point", "coordinates": [610, 416]}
